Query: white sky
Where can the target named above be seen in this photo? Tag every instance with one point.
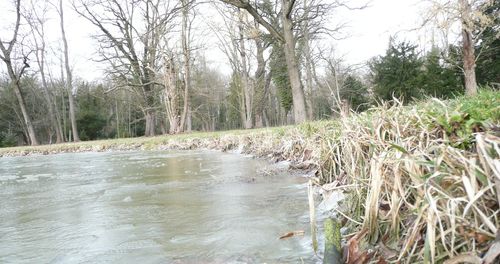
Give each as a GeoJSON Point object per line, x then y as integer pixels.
{"type": "Point", "coordinates": [371, 28]}
{"type": "Point", "coordinates": [369, 31]}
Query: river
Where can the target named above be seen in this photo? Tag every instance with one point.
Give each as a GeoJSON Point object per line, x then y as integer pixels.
{"type": "Point", "coordinates": [150, 207]}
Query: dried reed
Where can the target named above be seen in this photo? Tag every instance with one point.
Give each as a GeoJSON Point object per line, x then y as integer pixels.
{"type": "Point", "coordinates": [427, 191]}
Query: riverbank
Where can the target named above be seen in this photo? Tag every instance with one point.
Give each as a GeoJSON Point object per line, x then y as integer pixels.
{"type": "Point", "coordinates": [423, 181]}
{"type": "Point", "coordinates": [279, 144]}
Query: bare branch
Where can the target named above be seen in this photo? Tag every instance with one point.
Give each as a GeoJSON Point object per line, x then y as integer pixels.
{"type": "Point", "coordinates": [253, 12]}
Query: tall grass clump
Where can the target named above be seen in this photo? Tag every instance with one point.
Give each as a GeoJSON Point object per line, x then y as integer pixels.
{"type": "Point", "coordinates": [426, 178]}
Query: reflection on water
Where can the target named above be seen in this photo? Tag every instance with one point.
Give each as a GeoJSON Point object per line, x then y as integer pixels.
{"type": "Point", "coordinates": [152, 207]}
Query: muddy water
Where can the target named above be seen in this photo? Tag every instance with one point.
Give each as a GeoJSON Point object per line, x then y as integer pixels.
{"type": "Point", "coordinates": [149, 207]}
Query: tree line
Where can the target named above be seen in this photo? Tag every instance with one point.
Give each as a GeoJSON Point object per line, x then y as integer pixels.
{"type": "Point", "coordinates": [159, 80]}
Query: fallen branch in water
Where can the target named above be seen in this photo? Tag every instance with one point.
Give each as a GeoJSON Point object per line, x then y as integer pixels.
{"type": "Point", "coordinates": [294, 233]}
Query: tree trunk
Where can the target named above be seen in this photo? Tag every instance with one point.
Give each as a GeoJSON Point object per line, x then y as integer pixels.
{"type": "Point", "coordinates": [26, 117]}
{"type": "Point", "coordinates": [76, 137]}
{"type": "Point", "coordinates": [170, 81]}
{"type": "Point", "coordinates": [117, 116]}
{"type": "Point", "coordinates": [308, 64]}
{"type": "Point", "coordinates": [262, 82]}
{"type": "Point", "coordinates": [259, 120]}
{"type": "Point", "coordinates": [15, 82]}
{"type": "Point", "coordinates": [299, 103]}
{"type": "Point", "coordinates": [469, 63]}
{"type": "Point", "coordinates": [266, 119]}
{"type": "Point", "coordinates": [22, 125]}
{"type": "Point", "coordinates": [69, 77]}
{"type": "Point", "coordinates": [469, 60]}
{"type": "Point", "coordinates": [59, 124]}
{"type": "Point", "coordinates": [150, 123]}
{"type": "Point", "coordinates": [189, 124]}
{"type": "Point", "coordinates": [247, 92]}
{"type": "Point", "coordinates": [187, 63]}
{"type": "Point", "coordinates": [64, 114]}
{"type": "Point", "coordinates": [174, 127]}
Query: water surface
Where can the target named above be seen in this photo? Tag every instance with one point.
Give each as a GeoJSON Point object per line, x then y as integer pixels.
{"type": "Point", "coordinates": [149, 207]}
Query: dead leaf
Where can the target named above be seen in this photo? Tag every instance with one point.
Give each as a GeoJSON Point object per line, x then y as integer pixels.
{"type": "Point", "coordinates": [291, 234]}
{"type": "Point", "coordinates": [360, 259]}
{"type": "Point", "coordinates": [482, 238]}
{"type": "Point", "coordinates": [352, 255]}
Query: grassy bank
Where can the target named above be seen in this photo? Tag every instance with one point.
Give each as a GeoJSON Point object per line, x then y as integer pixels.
{"type": "Point", "coordinates": [423, 181]}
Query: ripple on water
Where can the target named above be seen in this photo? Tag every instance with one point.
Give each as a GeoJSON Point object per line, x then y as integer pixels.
{"type": "Point", "coordinates": [33, 177]}
{"type": "Point", "coordinates": [149, 207]}
{"type": "Point", "coordinates": [8, 177]}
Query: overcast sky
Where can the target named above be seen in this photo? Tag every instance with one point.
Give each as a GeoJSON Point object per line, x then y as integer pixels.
{"type": "Point", "coordinates": [371, 28]}
{"type": "Point", "coordinates": [369, 31]}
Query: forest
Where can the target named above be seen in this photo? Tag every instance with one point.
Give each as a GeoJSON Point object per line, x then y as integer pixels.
{"type": "Point", "coordinates": [158, 77]}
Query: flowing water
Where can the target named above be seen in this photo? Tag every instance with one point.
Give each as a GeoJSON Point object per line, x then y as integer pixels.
{"type": "Point", "coordinates": [149, 207]}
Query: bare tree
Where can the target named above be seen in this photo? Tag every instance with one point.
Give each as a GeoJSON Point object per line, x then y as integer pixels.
{"type": "Point", "coordinates": [177, 75]}
{"type": "Point", "coordinates": [247, 88]}
{"type": "Point", "coordinates": [334, 80]}
{"type": "Point", "coordinates": [234, 39]}
{"type": "Point", "coordinates": [208, 97]}
{"type": "Point", "coordinates": [69, 75]}
{"type": "Point", "coordinates": [285, 36]}
{"type": "Point", "coordinates": [283, 24]}
{"type": "Point", "coordinates": [36, 18]}
{"type": "Point", "coordinates": [172, 94]}
{"type": "Point", "coordinates": [262, 82]}
{"type": "Point", "coordinates": [7, 48]}
{"type": "Point", "coordinates": [130, 41]}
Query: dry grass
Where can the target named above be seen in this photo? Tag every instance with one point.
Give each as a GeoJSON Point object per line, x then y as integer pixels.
{"type": "Point", "coordinates": [426, 190]}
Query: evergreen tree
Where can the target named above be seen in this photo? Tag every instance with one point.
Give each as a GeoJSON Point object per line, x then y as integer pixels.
{"type": "Point", "coordinates": [397, 73]}
{"type": "Point", "coordinates": [91, 119]}
{"type": "Point", "coordinates": [438, 79]}
{"type": "Point", "coordinates": [488, 61]}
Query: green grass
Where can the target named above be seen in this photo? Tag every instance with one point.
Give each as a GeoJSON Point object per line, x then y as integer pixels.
{"type": "Point", "coordinates": [484, 106]}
